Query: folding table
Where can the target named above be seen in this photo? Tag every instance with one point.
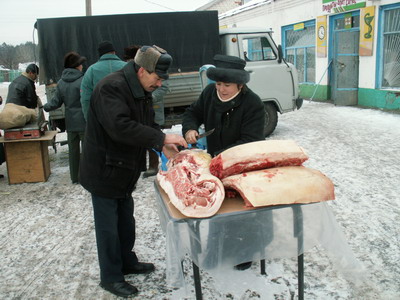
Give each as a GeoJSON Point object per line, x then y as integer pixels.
{"type": "Point", "coordinates": [238, 234]}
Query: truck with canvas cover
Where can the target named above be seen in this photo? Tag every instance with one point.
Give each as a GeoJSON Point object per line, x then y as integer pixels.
{"type": "Point", "coordinates": [192, 39]}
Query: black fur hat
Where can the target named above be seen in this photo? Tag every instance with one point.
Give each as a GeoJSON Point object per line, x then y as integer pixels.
{"type": "Point", "coordinates": [229, 69]}
{"type": "Point", "coordinates": [73, 59]}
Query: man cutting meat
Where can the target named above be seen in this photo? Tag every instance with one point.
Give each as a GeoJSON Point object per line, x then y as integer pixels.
{"type": "Point", "coordinates": [120, 127]}
{"type": "Point", "coordinates": [229, 106]}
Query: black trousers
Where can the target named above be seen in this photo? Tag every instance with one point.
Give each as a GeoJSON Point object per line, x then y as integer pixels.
{"type": "Point", "coordinates": [74, 141]}
{"type": "Point", "coordinates": [115, 236]}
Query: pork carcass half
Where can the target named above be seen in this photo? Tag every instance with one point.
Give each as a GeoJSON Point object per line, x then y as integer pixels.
{"type": "Point", "coordinates": [190, 186]}
{"type": "Point", "coordinates": [282, 185]}
{"type": "Point", "coordinates": [257, 156]}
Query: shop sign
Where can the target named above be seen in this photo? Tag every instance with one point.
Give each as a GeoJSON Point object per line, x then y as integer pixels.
{"type": "Point", "coordinates": [337, 6]}
{"type": "Point", "coordinates": [299, 26]}
{"type": "Point", "coordinates": [367, 24]}
{"type": "Point", "coordinates": [321, 36]}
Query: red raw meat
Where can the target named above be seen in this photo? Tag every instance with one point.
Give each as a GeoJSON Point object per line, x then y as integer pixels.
{"type": "Point", "coordinates": [231, 193]}
{"type": "Point", "coordinates": [190, 186]}
{"type": "Point", "coordinates": [257, 156]}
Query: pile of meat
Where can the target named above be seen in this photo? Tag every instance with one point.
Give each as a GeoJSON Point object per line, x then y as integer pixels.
{"type": "Point", "coordinates": [264, 173]}
{"type": "Point", "coordinates": [190, 186]}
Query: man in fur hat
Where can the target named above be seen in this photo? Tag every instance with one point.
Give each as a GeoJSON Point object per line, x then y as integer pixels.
{"type": "Point", "coordinates": [158, 106]}
{"type": "Point", "coordinates": [120, 127]}
{"type": "Point", "coordinates": [22, 90]}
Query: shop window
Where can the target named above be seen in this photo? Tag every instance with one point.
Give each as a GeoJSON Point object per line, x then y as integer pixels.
{"type": "Point", "coordinates": [256, 49]}
{"type": "Point", "coordinates": [299, 49]}
{"type": "Point", "coordinates": [389, 46]}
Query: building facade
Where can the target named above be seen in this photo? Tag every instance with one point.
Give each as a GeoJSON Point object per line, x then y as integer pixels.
{"type": "Point", "coordinates": [347, 51]}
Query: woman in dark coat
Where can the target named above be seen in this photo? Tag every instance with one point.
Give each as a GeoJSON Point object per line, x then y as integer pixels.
{"type": "Point", "coordinates": [228, 105]}
{"type": "Point", "coordinates": [68, 93]}
{"type": "Point", "coordinates": [237, 115]}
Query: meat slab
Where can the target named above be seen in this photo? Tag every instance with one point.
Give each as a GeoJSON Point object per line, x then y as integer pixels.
{"type": "Point", "coordinates": [190, 186]}
{"type": "Point", "coordinates": [257, 156]}
{"type": "Point", "coordinates": [282, 185]}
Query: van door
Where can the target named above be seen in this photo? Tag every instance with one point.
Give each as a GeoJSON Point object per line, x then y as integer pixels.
{"type": "Point", "coordinates": [271, 80]}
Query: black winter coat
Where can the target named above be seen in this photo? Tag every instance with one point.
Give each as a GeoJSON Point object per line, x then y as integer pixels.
{"type": "Point", "coordinates": [120, 126]}
{"type": "Point", "coordinates": [68, 92]}
{"type": "Point", "coordinates": [22, 91]}
{"type": "Point", "coordinates": [238, 121]}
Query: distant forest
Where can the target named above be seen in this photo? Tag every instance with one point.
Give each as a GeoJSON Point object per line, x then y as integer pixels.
{"type": "Point", "coordinates": [11, 56]}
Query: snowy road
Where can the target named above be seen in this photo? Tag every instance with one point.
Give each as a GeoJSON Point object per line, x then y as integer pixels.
{"type": "Point", "coordinates": [47, 243]}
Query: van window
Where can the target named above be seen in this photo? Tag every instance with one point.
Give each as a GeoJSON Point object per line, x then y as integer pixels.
{"type": "Point", "coordinates": [257, 49]}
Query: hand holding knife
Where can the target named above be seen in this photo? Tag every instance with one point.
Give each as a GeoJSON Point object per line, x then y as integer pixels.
{"type": "Point", "coordinates": [192, 136]}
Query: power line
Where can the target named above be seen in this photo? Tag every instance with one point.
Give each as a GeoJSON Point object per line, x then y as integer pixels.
{"type": "Point", "coordinates": [151, 2]}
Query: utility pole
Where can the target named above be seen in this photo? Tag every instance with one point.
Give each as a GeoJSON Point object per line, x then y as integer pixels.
{"type": "Point", "coordinates": [88, 7]}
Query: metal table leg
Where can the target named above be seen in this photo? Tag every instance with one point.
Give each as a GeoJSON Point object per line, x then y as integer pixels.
{"type": "Point", "coordinates": [197, 282]}
{"type": "Point", "coordinates": [300, 275]}
{"type": "Point", "coordinates": [298, 232]}
{"type": "Point", "coordinates": [262, 265]}
{"type": "Point", "coordinates": [195, 225]}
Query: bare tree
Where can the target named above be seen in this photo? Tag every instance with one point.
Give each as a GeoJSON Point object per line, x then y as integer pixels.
{"type": "Point", "coordinates": [11, 56]}
{"type": "Point", "coordinates": [8, 56]}
{"type": "Point", "coordinates": [26, 52]}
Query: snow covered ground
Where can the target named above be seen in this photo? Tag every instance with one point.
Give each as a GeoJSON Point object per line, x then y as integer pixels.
{"type": "Point", "coordinates": [47, 242]}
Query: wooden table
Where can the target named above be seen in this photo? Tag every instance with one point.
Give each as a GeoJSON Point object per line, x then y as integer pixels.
{"type": "Point", "coordinates": [28, 159]}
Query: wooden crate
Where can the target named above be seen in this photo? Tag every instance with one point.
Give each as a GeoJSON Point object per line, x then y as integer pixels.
{"type": "Point", "coordinates": [28, 159]}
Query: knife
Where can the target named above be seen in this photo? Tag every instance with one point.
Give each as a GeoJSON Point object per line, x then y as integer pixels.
{"type": "Point", "coordinates": [207, 133]}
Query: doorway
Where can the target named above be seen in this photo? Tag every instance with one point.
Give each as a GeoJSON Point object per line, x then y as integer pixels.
{"type": "Point", "coordinates": [345, 32]}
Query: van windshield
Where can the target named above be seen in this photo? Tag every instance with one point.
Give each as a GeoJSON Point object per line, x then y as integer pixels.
{"type": "Point", "coordinates": [257, 49]}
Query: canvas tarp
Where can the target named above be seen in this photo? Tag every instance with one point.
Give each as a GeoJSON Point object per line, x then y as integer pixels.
{"type": "Point", "coordinates": [192, 38]}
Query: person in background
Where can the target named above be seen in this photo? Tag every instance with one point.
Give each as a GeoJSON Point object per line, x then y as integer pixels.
{"type": "Point", "coordinates": [108, 62]}
{"type": "Point", "coordinates": [130, 52]}
{"type": "Point", "coordinates": [2, 154]}
{"type": "Point", "coordinates": [22, 90]}
{"type": "Point", "coordinates": [230, 107]}
{"type": "Point", "coordinates": [120, 127]}
{"type": "Point", "coordinates": [158, 106]}
{"type": "Point", "coordinates": [68, 93]}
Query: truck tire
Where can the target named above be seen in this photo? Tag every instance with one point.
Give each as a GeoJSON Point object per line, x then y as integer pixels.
{"type": "Point", "coordinates": [271, 118]}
